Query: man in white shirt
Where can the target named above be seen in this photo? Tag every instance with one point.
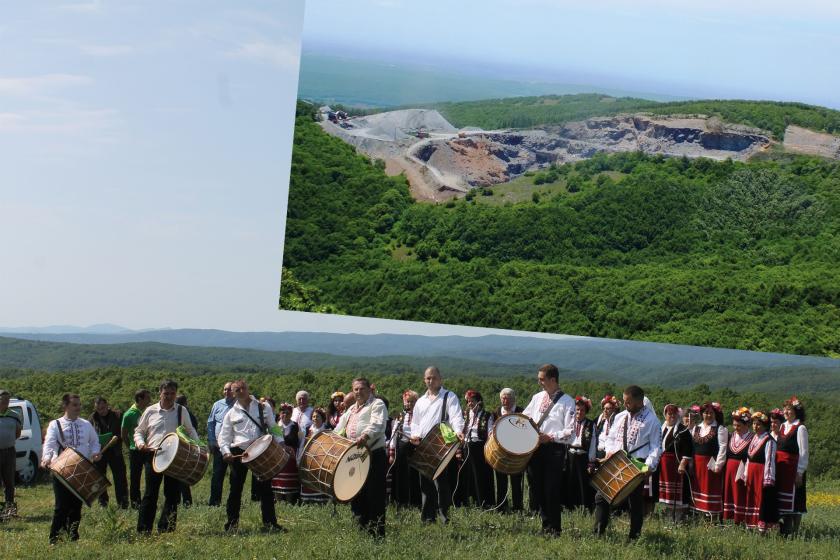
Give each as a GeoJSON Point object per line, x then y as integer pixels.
{"type": "Point", "coordinates": [247, 420]}
{"type": "Point", "coordinates": [302, 413]}
{"type": "Point", "coordinates": [435, 406]}
{"type": "Point", "coordinates": [214, 426]}
{"type": "Point", "coordinates": [553, 412]}
{"type": "Point", "coordinates": [75, 432]}
{"type": "Point", "coordinates": [157, 420]}
{"type": "Point", "coordinates": [364, 424]}
{"type": "Point", "coordinates": [637, 431]}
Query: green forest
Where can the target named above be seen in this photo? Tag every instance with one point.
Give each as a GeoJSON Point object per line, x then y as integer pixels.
{"type": "Point", "coordinates": [724, 254]}
{"type": "Point", "coordinates": [525, 112]}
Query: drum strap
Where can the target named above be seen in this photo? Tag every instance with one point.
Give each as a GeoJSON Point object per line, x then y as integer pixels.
{"type": "Point", "coordinates": [261, 424]}
{"type": "Point", "coordinates": [444, 413]}
{"type": "Point", "coordinates": [61, 443]}
{"type": "Point", "coordinates": [548, 410]}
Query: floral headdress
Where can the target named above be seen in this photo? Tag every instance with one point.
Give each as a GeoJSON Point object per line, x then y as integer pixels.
{"type": "Point", "coordinates": [794, 403]}
{"type": "Point", "coordinates": [742, 414]}
{"type": "Point", "coordinates": [584, 401]}
{"type": "Point", "coordinates": [777, 414]}
{"type": "Point", "coordinates": [608, 398]}
{"type": "Point", "coordinates": [761, 417]}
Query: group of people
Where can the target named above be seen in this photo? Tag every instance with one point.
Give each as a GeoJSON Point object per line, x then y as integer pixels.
{"type": "Point", "coordinates": [692, 462]}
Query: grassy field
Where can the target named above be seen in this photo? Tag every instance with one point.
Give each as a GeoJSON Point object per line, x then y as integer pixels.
{"type": "Point", "coordinates": [316, 532]}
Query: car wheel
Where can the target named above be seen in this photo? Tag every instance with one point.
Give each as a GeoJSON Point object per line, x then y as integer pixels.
{"type": "Point", "coordinates": [28, 474]}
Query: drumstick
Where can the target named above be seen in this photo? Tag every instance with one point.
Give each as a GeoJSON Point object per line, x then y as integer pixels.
{"type": "Point", "coordinates": [108, 445]}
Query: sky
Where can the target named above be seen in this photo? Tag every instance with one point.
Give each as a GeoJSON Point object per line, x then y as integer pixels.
{"type": "Point", "coordinates": [145, 145]}
{"type": "Point", "coordinates": [768, 49]}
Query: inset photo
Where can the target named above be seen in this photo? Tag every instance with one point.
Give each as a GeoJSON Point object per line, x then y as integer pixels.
{"type": "Point", "coordinates": [648, 175]}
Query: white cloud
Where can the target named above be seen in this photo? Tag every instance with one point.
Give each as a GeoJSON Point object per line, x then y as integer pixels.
{"type": "Point", "coordinates": [90, 124]}
{"type": "Point", "coordinates": [31, 85]}
{"type": "Point", "coordinates": [107, 50]}
{"type": "Point", "coordinates": [283, 55]}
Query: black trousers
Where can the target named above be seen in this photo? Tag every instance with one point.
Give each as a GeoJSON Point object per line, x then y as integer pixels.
{"type": "Point", "coordinates": [478, 481]}
{"type": "Point", "coordinates": [635, 503]}
{"type": "Point", "coordinates": [436, 497]}
{"type": "Point", "coordinates": [406, 480]}
{"type": "Point", "coordinates": [113, 458]}
{"type": "Point", "coordinates": [516, 485]}
{"type": "Point", "coordinates": [135, 471]}
{"type": "Point", "coordinates": [547, 476]}
{"type": "Point", "coordinates": [148, 506]}
{"type": "Point", "coordinates": [67, 513]}
{"type": "Point", "coordinates": [8, 458]}
{"type": "Point", "coordinates": [238, 472]}
{"type": "Point", "coordinates": [217, 481]}
{"type": "Point", "coordinates": [368, 506]}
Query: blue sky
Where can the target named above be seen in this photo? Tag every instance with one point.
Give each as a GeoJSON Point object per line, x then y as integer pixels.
{"type": "Point", "coordinates": [145, 145]}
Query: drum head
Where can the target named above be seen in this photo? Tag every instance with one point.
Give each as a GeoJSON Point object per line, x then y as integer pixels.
{"type": "Point", "coordinates": [628, 489]}
{"type": "Point", "coordinates": [351, 473]}
{"type": "Point", "coordinates": [257, 448]}
{"type": "Point", "coordinates": [165, 453]}
{"type": "Point", "coordinates": [516, 434]}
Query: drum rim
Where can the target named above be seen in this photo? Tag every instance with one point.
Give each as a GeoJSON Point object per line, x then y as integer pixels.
{"type": "Point", "coordinates": [154, 462]}
{"type": "Point", "coordinates": [496, 425]}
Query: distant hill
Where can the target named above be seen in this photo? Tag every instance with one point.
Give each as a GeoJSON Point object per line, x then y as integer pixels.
{"type": "Point", "coordinates": [580, 358]}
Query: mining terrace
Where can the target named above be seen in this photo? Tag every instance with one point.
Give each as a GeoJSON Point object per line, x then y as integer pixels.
{"type": "Point", "coordinates": [441, 161]}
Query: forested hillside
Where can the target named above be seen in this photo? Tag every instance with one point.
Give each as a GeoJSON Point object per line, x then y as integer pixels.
{"type": "Point", "coordinates": [525, 112]}
{"type": "Point", "coordinates": [673, 250]}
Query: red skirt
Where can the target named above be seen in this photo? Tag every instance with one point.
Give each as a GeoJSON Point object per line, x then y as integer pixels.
{"type": "Point", "coordinates": [287, 481]}
{"type": "Point", "coordinates": [786, 464]}
{"type": "Point", "coordinates": [761, 504]}
{"type": "Point", "coordinates": [734, 493]}
{"type": "Point", "coordinates": [670, 480]}
{"type": "Point", "coordinates": [707, 486]}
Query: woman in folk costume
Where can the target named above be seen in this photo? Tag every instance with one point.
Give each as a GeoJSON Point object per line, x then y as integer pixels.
{"type": "Point", "coordinates": [335, 409]}
{"type": "Point", "coordinates": [734, 488]}
{"type": "Point", "coordinates": [677, 450]}
{"type": "Point", "coordinates": [319, 424]}
{"type": "Point", "coordinates": [777, 418]}
{"type": "Point", "coordinates": [579, 458]}
{"type": "Point", "coordinates": [791, 464]}
{"type": "Point", "coordinates": [609, 406]}
{"type": "Point", "coordinates": [762, 509]}
{"type": "Point", "coordinates": [286, 484]}
{"type": "Point", "coordinates": [710, 441]}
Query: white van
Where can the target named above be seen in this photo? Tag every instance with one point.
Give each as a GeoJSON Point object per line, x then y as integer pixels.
{"type": "Point", "coordinates": [30, 443]}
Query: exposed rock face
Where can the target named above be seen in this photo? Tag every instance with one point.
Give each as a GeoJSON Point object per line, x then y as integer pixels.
{"type": "Point", "coordinates": [454, 161]}
{"type": "Point", "coordinates": [806, 141]}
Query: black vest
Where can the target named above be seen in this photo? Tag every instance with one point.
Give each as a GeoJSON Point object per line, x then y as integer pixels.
{"type": "Point", "coordinates": [759, 455]}
{"type": "Point", "coordinates": [789, 443]}
{"type": "Point", "coordinates": [740, 455]}
{"type": "Point", "coordinates": [707, 446]}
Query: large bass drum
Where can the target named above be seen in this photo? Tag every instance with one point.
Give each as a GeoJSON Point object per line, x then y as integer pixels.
{"type": "Point", "coordinates": [433, 455]}
{"type": "Point", "coordinates": [180, 459]}
{"type": "Point", "coordinates": [265, 457]}
{"type": "Point", "coordinates": [334, 466]}
{"type": "Point", "coordinates": [511, 444]}
{"type": "Point", "coordinates": [617, 478]}
{"type": "Point", "coordinates": [79, 475]}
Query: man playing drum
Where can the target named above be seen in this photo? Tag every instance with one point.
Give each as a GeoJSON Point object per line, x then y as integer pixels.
{"type": "Point", "coordinates": [214, 426]}
{"type": "Point", "coordinates": [364, 424]}
{"type": "Point", "coordinates": [435, 406]}
{"type": "Point", "coordinates": [637, 431]}
{"type": "Point", "coordinates": [75, 432]}
{"type": "Point", "coordinates": [507, 399]}
{"type": "Point", "coordinates": [157, 421]}
{"type": "Point", "coordinates": [247, 420]}
{"type": "Point", "coordinates": [554, 414]}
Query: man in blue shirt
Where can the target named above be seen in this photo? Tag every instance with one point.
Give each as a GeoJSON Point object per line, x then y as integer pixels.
{"type": "Point", "coordinates": [214, 426]}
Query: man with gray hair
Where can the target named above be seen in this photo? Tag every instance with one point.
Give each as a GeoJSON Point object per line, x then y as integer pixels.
{"type": "Point", "coordinates": [302, 413]}
{"type": "Point", "coordinates": [507, 399]}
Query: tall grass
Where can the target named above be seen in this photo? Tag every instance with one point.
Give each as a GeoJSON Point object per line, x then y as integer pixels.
{"type": "Point", "coordinates": [320, 532]}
